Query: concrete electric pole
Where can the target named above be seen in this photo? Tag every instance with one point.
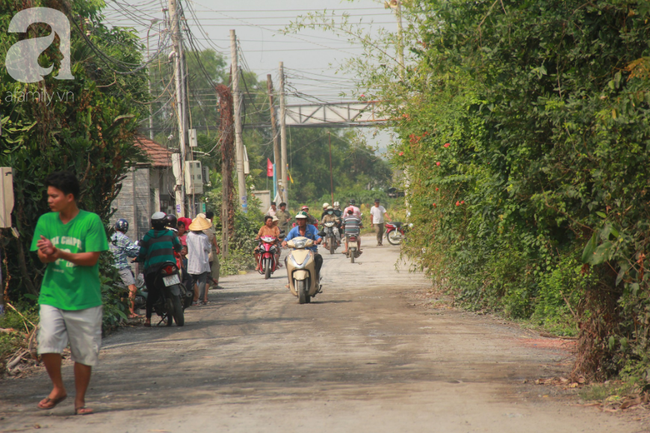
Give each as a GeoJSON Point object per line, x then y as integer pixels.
{"type": "Point", "coordinates": [276, 141]}
{"type": "Point", "coordinates": [283, 139]}
{"type": "Point", "coordinates": [180, 102]}
{"type": "Point", "coordinates": [239, 144]}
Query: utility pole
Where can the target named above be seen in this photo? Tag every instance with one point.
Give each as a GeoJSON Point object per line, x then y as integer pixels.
{"type": "Point", "coordinates": [283, 139]}
{"type": "Point", "coordinates": [151, 135]}
{"type": "Point", "coordinates": [239, 144]}
{"type": "Point", "coordinates": [276, 141]}
{"type": "Point", "coordinates": [180, 101]}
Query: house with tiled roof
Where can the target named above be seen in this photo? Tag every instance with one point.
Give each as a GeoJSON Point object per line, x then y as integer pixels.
{"type": "Point", "coordinates": [147, 188]}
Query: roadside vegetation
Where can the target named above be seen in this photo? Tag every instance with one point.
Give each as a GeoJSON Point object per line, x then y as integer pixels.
{"type": "Point", "coordinates": [523, 127]}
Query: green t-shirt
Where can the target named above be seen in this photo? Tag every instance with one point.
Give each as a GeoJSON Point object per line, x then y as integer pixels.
{"type": "Point", "coordinates": [66, 285]}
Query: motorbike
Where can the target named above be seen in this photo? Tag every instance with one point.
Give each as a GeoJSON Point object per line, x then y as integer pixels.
{"type": "Point", "coordinates": [301, 270]}
{"type": "Point", "coordinates": [268, 249]}
{"type": "Point", "coordinates": [394, 233]}
{"type": "Point", "coordinates": [330, 237]}
{"type": "Point", "coordinates": [174, 297]}
{"type": "Point", "coordinates": [353, 251]}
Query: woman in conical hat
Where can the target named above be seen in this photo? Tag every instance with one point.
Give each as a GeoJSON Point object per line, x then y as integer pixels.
{"type": "Point", "coordinates": [199, 224]}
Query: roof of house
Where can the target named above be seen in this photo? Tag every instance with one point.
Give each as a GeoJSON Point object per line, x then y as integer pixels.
{"type": "Point", "coordinates": [158, 155]}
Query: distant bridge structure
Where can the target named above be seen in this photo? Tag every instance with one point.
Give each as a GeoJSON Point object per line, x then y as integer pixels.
{"type": "Point", "coordinates": [334, 114]}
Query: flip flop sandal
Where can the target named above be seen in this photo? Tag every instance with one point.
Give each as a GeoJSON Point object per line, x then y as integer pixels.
{"type": "Point", "coordinates": [147, 325]}
{"type": "Point", "coordinates": [51, 401]}
{"type": "Point", "coordinates": [83, 410]}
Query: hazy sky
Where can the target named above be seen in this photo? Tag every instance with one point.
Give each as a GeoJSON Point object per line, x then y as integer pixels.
{"type": "Point", "coordinates": [311, 58]}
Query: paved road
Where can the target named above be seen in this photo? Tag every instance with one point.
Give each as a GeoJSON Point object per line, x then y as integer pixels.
{"type": "Point", "coordinates": [367, 355]}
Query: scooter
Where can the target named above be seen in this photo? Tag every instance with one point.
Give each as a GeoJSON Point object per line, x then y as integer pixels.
{"type": "Point", "coordinates": [301, 270]}
{"type": "Point", "coordinates": [353, 251]}
{"type": "Point", "coordinates": [268, 251]}
{"type": "Point", "coordinates": [330, 238]}
{"type": "Point", "coordinates": [173, 295]}
{"type": "Point", "coordinates": [394, 233]}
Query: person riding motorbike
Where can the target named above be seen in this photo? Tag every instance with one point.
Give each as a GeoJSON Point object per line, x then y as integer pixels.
{"type": "Point", "coordinates": [329, 216]}
{"type": "Point", "coordinates": [352, 226]}
{"type": "Point", "coordinates": [337, 209]}
{"type": "Point", "coordinates": [355, 210]}
{"type": "Point", "coordinates": [310, 232]}
{"type": "Point", "coordinates": [325, 206]}
{"type": "Point", "coordinates": [269, 229]}
{"type": "Point", "coordinates": [122, 248]}
{"type": "Point", "coordinates": [156, 249]}
{"type": "Point", "coordinates": [310, 218]}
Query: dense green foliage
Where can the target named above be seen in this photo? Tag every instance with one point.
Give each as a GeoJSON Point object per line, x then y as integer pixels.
{"type": "Point", "coordinates": [88, 132]}
{"type": "Point", "coordinates": [524, 129]}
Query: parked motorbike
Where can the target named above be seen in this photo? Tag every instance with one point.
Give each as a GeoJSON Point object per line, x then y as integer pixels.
{"type": "Point", "coordinates": [353, 250]}
{"type": "Point", "coordinates": [174, 297]}
{"type": "Point", "coordinates": [268, 249]}
{"type": "Point", "coordinates": [301, 269]}
{"type": "Point", "coordinates": [394, 233]}
{"type": "Point", "coordinates": [330, 237]}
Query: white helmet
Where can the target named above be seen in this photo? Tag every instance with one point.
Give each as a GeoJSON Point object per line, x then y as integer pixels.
{"type": "Point", "coordinates": [325, 205]}
{"type": "Point", "coordinates": [336, 205]}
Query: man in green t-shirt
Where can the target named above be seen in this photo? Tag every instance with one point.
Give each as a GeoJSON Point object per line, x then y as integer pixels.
{"type": "Point", "coordinates": [69, 240]}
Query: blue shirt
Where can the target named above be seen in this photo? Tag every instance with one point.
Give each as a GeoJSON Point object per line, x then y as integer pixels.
{"type": "Point", "coordinates": [311, 232]}
{"type": "Point", "coordinates": [122, 248]}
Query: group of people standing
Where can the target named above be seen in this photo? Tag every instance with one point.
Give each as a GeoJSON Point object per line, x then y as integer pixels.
{"type": "Point", "coordinates": [191, 244]}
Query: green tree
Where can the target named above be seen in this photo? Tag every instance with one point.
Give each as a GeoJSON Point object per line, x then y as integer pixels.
{"type": "Point", "coordinates": [87, 127]}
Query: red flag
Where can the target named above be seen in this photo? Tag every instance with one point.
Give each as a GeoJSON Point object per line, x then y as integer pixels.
{"type": "Point", "coordinates": [269, 168]}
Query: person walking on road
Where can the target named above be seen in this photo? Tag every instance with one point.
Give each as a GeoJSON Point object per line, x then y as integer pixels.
{"type": "Point", "coordinates": [122, 248]}
{"type": "Point", "coordinates": [198, 251]}
{"type": "Point", "coordinates": [283, 218]}
{"type": "Point", "coordinates": [70, 241]}
{"type": "Point", "coordinates": [273, 210]}
{"type": "Point", "coordinates": [378, 221]}
{"type": "Point", "coordinates": [213, 257]}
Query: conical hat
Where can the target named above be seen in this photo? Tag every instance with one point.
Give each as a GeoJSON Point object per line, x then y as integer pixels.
{"type": "Point", "coordinates": [199, 224]}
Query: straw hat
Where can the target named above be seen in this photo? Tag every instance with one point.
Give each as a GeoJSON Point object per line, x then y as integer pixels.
{"type": "Point", "coordinates": [199, 224]}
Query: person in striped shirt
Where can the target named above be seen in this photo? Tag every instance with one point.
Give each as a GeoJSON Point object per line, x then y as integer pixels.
{"type": "Point", "coordinates": [352, 226]}
{"type": "Point", "coordinates": [156, 249]}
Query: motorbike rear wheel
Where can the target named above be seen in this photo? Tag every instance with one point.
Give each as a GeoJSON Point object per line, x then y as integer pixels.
{"type": "Point", "coordinates": [352, 255]}
{"type": "Point", "coordinates": [169, 312]}
{"type": "Point", "coordinates": [301, 288]}
{"type": "Point", "coordinates": [179, 316]}
{"type": "Point", "coordinates": [394, 237]}
{"type": "Point", "coordinates": [267, 268]}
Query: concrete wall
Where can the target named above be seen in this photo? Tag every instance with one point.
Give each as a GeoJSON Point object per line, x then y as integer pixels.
{"type": "Point", "coordinates": [134, 202]}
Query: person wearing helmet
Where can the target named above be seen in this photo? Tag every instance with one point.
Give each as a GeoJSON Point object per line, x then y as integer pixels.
{"type": "Point", "coordinates": [355, 210]}
{"type": "Point", "coordinates": [171, 222]}
{"type": "Point", "coordinates": [156, 249]}
{"type": "Point", "coordinates": [329, 216]}
{"type": "Point", "coordinates": [122, 248]}
{"type": "Point", "coordinates": [310, 218]}
{"type": "Point", "coordinates": [309, 231]}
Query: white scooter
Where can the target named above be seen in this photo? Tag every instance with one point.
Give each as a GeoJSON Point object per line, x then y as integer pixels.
{"type": "Point", "coordinates": [301, 269]}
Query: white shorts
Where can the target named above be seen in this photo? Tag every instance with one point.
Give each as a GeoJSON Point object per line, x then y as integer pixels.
{"type": "Point", "coordinates": [82, 328]}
